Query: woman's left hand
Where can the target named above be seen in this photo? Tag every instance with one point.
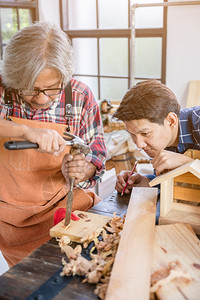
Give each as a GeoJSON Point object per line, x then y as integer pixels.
{"type": "Point", "coordinates": [74, 166]}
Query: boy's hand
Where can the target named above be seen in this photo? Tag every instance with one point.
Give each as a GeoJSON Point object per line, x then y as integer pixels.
{"type": "Point", "coordinates": [168, 160]}
{"type": "Point", "coordinates": [136, 180]}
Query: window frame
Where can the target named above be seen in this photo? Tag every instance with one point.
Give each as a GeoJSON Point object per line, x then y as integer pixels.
{"type": "Point", "coordinates": [116, 33]}
{"type": "Point", "coordinates": [33, 5]}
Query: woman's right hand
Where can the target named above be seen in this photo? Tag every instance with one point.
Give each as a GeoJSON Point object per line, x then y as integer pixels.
{"type": "Point", "coordinates": [135, 180]}
{"type": "Point", "coordinates": [49, 141]}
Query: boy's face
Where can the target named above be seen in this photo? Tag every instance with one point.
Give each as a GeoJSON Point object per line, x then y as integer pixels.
{"type": "Point", "coordinates": [152, 137]}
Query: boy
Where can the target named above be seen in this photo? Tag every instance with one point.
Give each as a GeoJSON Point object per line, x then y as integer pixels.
{"type": "Point", "coordinates": [157, 124]}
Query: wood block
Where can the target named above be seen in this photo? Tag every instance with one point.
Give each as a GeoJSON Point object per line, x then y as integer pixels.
{"type": "Point", "coordinates": [177, 242]}
{"type": "Point", "coordinates": [80, 230]}
{"type": "Point", "coordinates": [130, 277]}
{"type": "Point", "coordinates": [178, 215]}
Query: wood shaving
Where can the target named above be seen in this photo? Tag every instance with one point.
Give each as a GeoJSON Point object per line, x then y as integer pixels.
{"type": "Point", "coordinates": [98, 269]}
{"type": "Point", "coordinates": [165, 275]}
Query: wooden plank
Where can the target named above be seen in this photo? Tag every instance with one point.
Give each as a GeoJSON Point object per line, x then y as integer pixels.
{"type": "Point", "coordinates": [186, 207]}
{"type": "Point", "coordinates": [130, 277]}
{"type": "Point", "coordinates": [79, 231]}
{"type": "Point", "coordinates": [166, 192]}
{"type": "Point", "coordinates": [193, 98]}
{"type": "Point", "coordinates": [177, 242]}
{"type": "Point", "coordinates": [181, 216]}
{"type": "Point", "coordinates": [187, 178]}
{"type": "Point", "coordinates": [187, 194]}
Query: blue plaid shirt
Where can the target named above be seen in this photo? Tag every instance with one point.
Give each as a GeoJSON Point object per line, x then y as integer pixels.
{"type": "Point", "coordinates": [189, 130]}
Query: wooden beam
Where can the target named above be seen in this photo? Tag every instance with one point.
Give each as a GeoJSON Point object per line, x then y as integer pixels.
{"type": "Point", "coordinates": [166, 196]}
{"type": "Point", "coordinates": [166, 4]}
{"type": "Point", "coordinates": [130, 277]}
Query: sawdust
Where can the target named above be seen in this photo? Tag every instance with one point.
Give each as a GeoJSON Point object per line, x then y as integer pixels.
{"type": "Point", "coordinates": [98, 269]}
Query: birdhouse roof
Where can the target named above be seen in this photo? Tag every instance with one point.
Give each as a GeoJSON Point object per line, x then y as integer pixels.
{"type": "Point", "coordinates": [192, 167]}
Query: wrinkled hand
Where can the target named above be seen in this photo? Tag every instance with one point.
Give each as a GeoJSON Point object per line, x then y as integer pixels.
{"type": "Point", "coordinates": [49, 141]}
{"type": "Point", "coordinates": [74, 166]}
{"type": "Point", "coordinates": [135, 180]}
{"type": "Point", "coordinates": [168, 160]}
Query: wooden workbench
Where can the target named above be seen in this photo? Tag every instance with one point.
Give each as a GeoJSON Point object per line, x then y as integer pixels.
{"type": "Point", "coordinates": [33, 271]}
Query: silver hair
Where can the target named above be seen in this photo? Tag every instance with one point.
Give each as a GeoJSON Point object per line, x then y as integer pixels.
{"type": "Point", "coordinates": [33, 49]}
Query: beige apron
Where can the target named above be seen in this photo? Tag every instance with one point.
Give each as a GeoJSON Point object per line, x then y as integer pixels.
{"type": "Point", "coordinates": [32, 188]}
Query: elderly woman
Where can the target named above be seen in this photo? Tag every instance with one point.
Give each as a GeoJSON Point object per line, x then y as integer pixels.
{"type": "Point", "coordinates": [36, 85]}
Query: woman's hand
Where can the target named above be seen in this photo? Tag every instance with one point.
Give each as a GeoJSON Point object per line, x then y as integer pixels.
{"type": "Point", "coordinates": [135, 180]}
{"type": "Point", "coordinates": [76, 166]}
{"type": "Point", "coordinates": [49, 141]}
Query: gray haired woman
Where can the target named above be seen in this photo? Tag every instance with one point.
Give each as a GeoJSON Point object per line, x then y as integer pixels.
{"type": "Point", "coordinates": [35, 87]}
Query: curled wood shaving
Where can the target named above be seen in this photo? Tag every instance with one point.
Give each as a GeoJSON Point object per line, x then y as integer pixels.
{"type": "Point", "coordinates": [165, 275]}
{"type": "Point", "coordinates": [98, 269]}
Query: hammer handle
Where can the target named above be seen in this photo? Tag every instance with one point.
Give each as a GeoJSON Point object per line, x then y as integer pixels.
{"type": "Point", "coordinates": [19, 145]}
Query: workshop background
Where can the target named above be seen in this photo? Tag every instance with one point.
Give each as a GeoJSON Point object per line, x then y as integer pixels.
{"type": "Point", "coordinates": [118, 43]}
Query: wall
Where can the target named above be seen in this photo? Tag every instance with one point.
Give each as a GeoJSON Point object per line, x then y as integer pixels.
{"type": "Point", "coordinates": [49, 11]}
{"type": "Point", "coordinates": [183, 43]}
{"type": "Point", "coordinates": [183, 48]}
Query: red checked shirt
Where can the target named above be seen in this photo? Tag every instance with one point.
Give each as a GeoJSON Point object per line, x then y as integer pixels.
{"type": "Point", "coordinates": [86, 122]}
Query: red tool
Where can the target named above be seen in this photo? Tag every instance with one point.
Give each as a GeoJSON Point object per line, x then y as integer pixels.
{"type": "Point", "coordinates": [133, 170]}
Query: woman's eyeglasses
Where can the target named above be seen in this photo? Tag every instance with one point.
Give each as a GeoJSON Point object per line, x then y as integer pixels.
{"type": "Point", "coordinates": [36, 92]}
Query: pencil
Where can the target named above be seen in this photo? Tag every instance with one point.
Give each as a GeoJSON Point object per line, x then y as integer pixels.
{"type": "Point", "coordinates": [133, 170]}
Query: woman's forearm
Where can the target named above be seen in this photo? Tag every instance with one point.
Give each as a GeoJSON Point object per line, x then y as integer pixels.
{"type": "Point", "coordinates": [11, 129]}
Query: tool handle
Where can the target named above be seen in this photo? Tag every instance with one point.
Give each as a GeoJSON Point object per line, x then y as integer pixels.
{"type": "Point", "coordinates": [74, 151]}
{"type": "Point", "coordinates": [19, 145]}
{"type": "Point", "coordinates": [71, 183]}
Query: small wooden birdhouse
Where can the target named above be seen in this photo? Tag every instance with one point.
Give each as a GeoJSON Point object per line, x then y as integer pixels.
{"type": "Point", "coordinates": [180, 195]}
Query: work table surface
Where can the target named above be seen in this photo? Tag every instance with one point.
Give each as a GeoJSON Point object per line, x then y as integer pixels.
{"type": "Point", "coordinates": [33, 271]}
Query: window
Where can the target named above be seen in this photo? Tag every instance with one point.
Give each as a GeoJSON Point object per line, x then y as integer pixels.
{"type": "Point", "coordinates": [15, 15]}
{"type": "Point", "coordinates": [100, 31]}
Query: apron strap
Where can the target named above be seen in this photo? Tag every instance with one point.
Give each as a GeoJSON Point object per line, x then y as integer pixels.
{"type": "Point", "coordinates": [68, 105]}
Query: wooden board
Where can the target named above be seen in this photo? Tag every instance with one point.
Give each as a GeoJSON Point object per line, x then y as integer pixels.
{"type": "Point", "coordinates": [130, 277]}
{"type": "Point", "coordinates": [177, 242]}
{"type": "Point", "coordinates": [80, 230]}
{"type": "Point", "coordinates": [193, 97]}
{"type": "Point", "coordinates": [183, 213]}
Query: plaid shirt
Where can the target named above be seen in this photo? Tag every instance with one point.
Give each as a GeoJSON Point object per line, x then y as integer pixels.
{"type": "Point", "coordinates": [189, 133]}
{"type": "Point", "coordinates": [86, 122]}
{"type": "Point", "coordinates": [189, 130]}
